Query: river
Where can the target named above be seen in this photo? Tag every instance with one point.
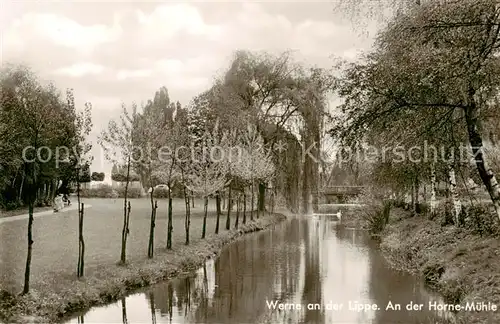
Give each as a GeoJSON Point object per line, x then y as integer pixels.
{"type": "Point", "coordinates": [315, 264]}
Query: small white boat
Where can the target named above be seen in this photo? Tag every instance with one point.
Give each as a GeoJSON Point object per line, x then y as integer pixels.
{"type": "Point", "coordinates": [338, 215]}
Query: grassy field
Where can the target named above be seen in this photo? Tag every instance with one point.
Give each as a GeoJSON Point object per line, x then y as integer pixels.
{"type": "Point", "coordinates": [55, 249]}
{"type": "Point", "coordinates": [55, 290]}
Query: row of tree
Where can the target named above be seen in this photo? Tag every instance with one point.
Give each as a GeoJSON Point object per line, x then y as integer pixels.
{"type": "Point", "coordinates": [224, 141]}
{"type": "Point", "coordinates": [42, 143]}
{"type": "Point", "coordinates": [245, 136]}
{"type": "Point", "coordinates": [431, 81]}
{"type": "Point", "coordinates": [35, 119]}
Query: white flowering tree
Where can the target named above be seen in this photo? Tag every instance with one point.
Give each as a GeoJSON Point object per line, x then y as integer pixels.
{"type": "Point", "coordinates": [208, 172]}
{"type": "Point", "coordinates": [117, 143]}
{"type": "Point", "coordinates": [148, 138]}
{"type": "Point", "coordinates": [253, 163]}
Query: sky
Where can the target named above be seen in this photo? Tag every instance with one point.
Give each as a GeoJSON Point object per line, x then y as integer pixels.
{"type": "Point", "coordinates": [114, 52]}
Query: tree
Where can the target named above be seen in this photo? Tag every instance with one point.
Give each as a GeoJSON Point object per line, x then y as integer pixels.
{"type": "Point", "coordinates": [254, 163]}
{"type": "Point", "coordinates": [81, 152]}
{"type": "Point", "coordinates": [34, 122]}
{"type": "Point", "coordinates": [208, 172]}
{"type": "Point", "coordinates": [274, 91]}
{"type": "Point", "coordinates": [184, 162]}
{"type": "Point", "coordinates": [148, 131]}
{"type": "Point", "coordinates": [437, 57]}
{"type": "Point", "coordinates": [97, 176]}
{"type": "Point", "coordinates": [117, 142]}
{"type": "Point", "coordinates": [167, 172]}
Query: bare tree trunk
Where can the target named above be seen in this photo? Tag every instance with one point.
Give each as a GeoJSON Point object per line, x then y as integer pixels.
{"type": "Point", "coordinates": [433, 191]}
{"type": "Point", "coordinates": [54, 188]}
{"type": "Point", "coordinates": [244, 208]}
{"type": "Point", "coordinates": [306, 186]}
{"type": "Point", "coordinates": [417, 190]}
{"type": "Point", "coordinates": [457, 204]}
{"type": "Point", "coordinates": [187, 220]}
{"type": "Point", "coordinates": [315, 165]}
{"type": "Point", "coordinates": [154, 207]}
{"type": "Point", "coordinates": [26, 288]}
{"type": "Point", "coordinates": [412, 206]}
{"type": "Point", "coordinates": [205, 212]}
{"type": "Point", "coordinates": [253, 203]}
{"type": "Point", "coordinates": [237, 211]}
{"type": "Point", "coordinates": [192, 198]}
{"type": "Point", "coordinates": [126, 213]}
{"type": "Point", "coordinates": [217, 207]}
{"type": "Point", "coordinates": [262, 197]}
{"type": "Point", "coordinates": [484, 170]}
{"type": "Point", "coordinates": [223, 194]}
{"type": "Point", "coordinates": [273, 199]}
{"type": "Point", "coordinates": [416, 207]}
{"type": "Point", "coordinates": [169, 216]}
{"type": "Point", "coordinates": [228, 218]}
{"type": "Point", "coordinates": [20, 198]}
{"type": "Point", "coordinates": [81, 242]}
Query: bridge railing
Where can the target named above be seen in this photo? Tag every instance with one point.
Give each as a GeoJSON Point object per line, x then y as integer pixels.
{"type": "Point", "coordinates": [342, 190]}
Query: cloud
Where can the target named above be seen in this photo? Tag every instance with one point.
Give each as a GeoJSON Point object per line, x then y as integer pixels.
{"type": "Point", "coordinates": [136, 51]}
{"type": "Point", "coordinates": [127, 74]}
{"type": "Point", "coordinates": [125, 52]}
{"type": "Point", "coordinates": [80, 69]}
{"type": "Point", "coordinates": [168, 20]}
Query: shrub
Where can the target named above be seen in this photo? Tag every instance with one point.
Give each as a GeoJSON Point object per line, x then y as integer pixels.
{"type": "Point", "coordinates": [376, 213]}
{"type": "Point", "coordinates": [481, 220]}
{"type": "Point", "coordinates": [131, 192]}
{"type": "Point", "coordinates": [103, 191]}
{"type": "Point", "coordinates": [399, 203]}
{"type": "Point", "coordinates": [119, 177]}
{"type": "Point", "coordinates": [161, 193]}
{"type": "Point", "coordinates": [432, 274]}
{"type": "Point", "coordinates": [444, 213]}
{"type": "Point", "coordinates": [423, 208]}
{"type": "Point", "coordinates": [11, 205]}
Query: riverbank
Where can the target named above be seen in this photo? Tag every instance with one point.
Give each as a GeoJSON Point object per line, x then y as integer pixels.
{"type": "Point", "coordinates": [461, 266]}
{"type": "Point", "coordinates": [60, 296]}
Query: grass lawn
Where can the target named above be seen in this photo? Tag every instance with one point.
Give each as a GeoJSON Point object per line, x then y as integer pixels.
{"type": "Point", "coordinates": [56, 292]}
{"type": "Point", "coordinates": [55, 249]}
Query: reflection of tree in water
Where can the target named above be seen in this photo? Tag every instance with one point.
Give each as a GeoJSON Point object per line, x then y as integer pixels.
{"type": "Point", "coordinates": [312, 292]}
{"type": "Point", "coordinates": [124, 311]}
{"type": "Point", "coordinates": [259, 268]}
{"type": "Point", "coordinates": [386, 285]}
{"type": "Point", "coordinates": [152, 306]}
{"type": "Point", "coordinates": [247, 274]}
{"type": "Point", "coordinates": [161, 297]}
{"type": "Point", "coordinates": [170, 294]}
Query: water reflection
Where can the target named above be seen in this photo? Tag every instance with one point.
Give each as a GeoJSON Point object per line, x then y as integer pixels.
{"type": "Point", "coordinates": [303, 261]}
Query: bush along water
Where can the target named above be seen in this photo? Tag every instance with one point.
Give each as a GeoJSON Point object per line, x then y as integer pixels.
{"type": "Point", "coordinates": [374, 215]}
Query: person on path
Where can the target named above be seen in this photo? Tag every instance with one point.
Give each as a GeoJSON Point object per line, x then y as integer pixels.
{"type": "Point", "coordinates": [58, 203]}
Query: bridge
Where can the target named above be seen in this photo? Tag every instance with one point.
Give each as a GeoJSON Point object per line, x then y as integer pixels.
{"type": "Point", "coordinates": [340, 193]}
